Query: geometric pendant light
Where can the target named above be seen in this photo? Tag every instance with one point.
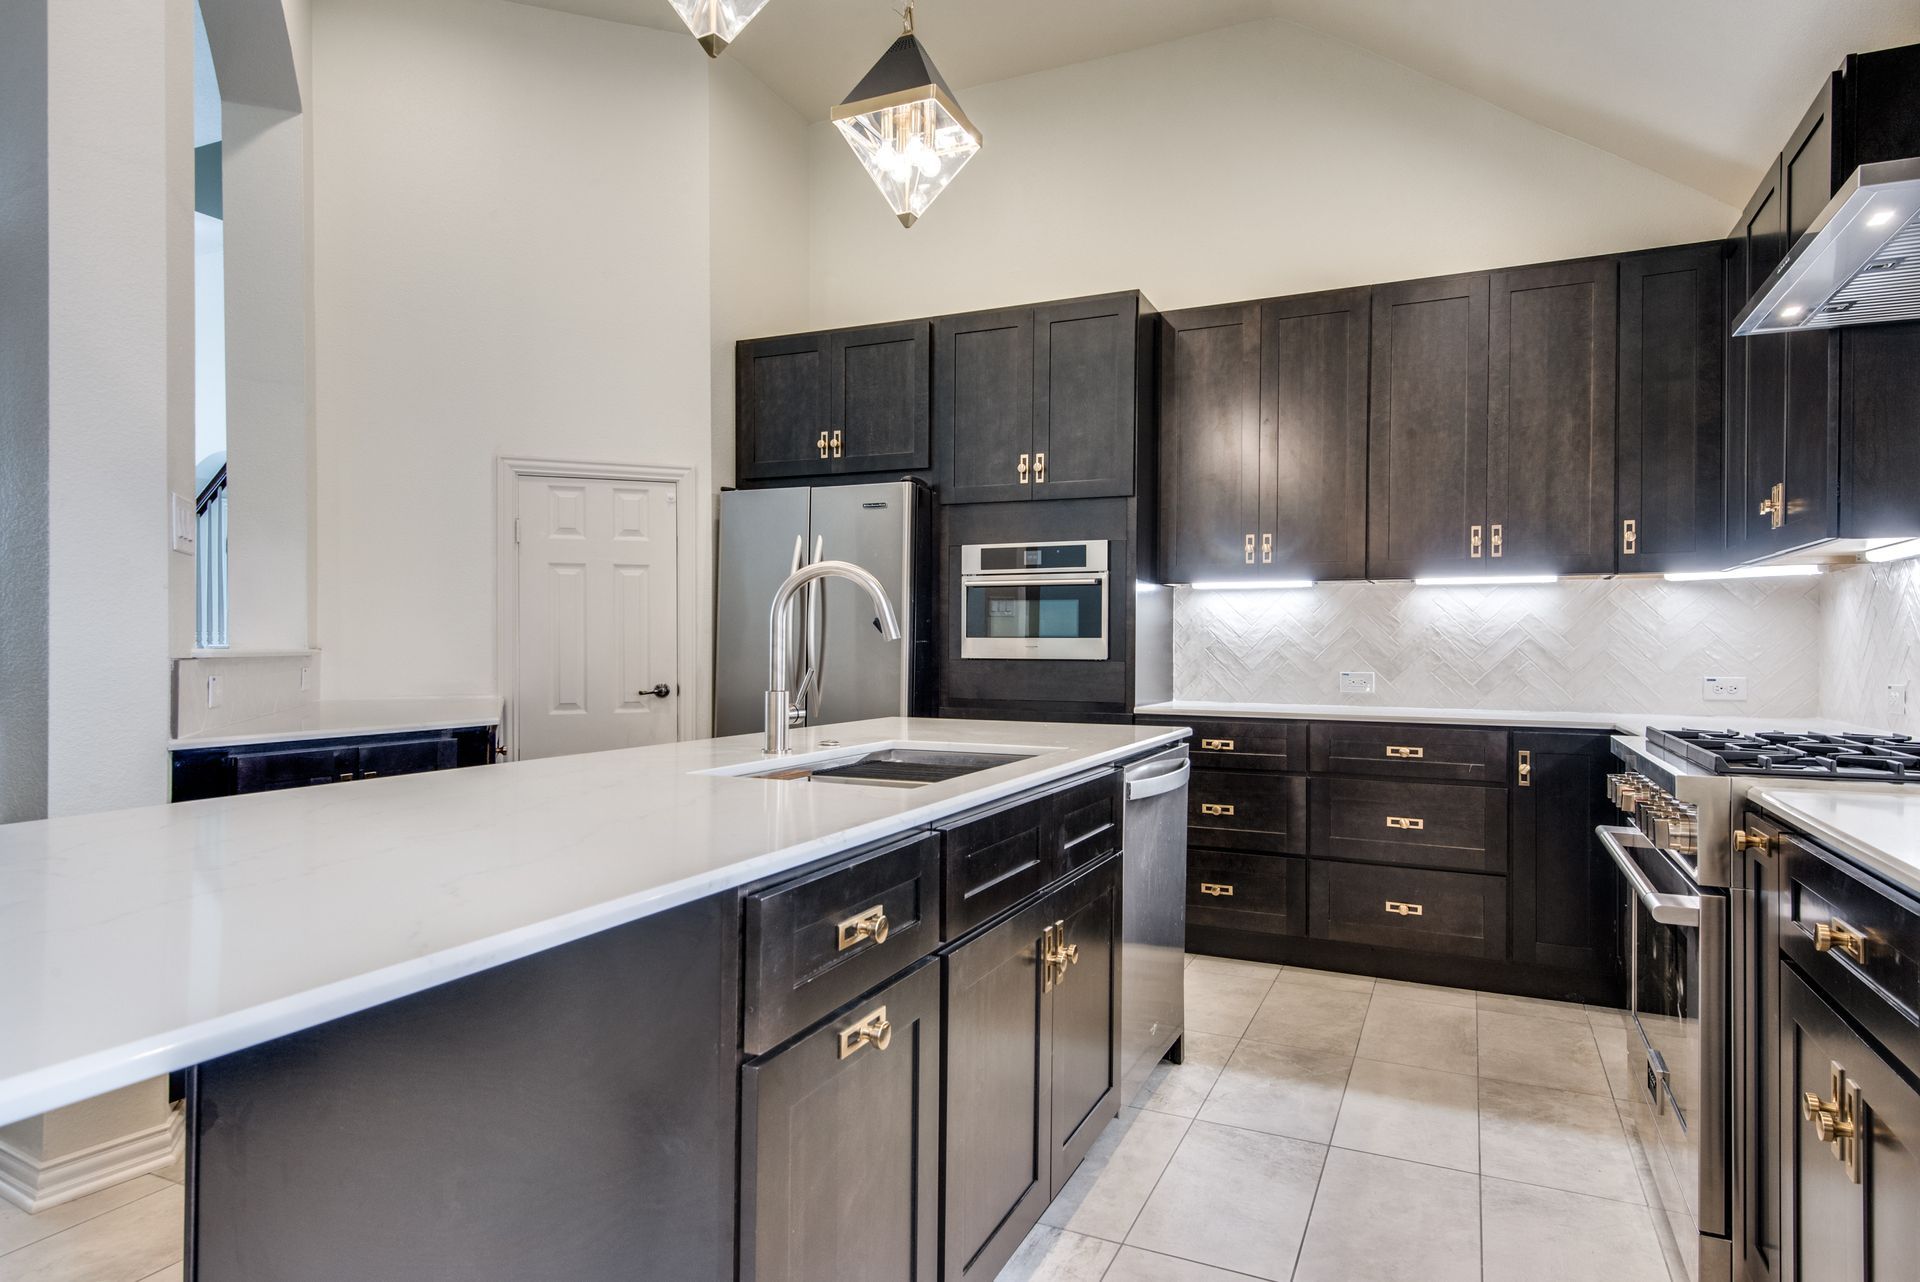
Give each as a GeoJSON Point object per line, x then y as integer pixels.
{"type": "Point", "coordinates": [905, 126]}
{"type": "Point", "coordinates": [716, 22]}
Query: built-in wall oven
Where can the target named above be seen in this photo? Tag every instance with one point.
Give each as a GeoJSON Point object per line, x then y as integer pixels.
{"type": "Point", "coordinates": [1034, 600]}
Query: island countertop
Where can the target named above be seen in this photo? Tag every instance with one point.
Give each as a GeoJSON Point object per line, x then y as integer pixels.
{"type": "Point", "coordinates": [135, 942]}
{"type": "Point", "coordinates": [1873, 825]}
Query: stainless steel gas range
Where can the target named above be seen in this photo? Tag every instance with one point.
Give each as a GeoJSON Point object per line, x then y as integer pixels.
{"type": "Point", "coordinates": [1678, 792]}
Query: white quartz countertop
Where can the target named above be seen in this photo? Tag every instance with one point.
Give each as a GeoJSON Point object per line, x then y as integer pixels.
{"type": "Point", "coordinates": [1612, 722]}
{"type": "Point", "coordinates": [1876, 826]}
{"type": "Point", "coordinates": [140, 941]}
{"type": "Point", "coordinates": [346, 718]}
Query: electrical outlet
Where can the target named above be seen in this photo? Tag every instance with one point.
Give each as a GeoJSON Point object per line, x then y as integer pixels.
{"type": "Point", "coordinates": [1356, 683]}
{"type": "Point", "coordinates": [1897, 698]}
{"type": "Point", "coordinates": [1726, 689]}
{"type": "Point", "coordinates": [213, 692]}
{"type": "Point", "coordinates": [185, 524]}
{"type": "Point", "coordinates": [306, 676]}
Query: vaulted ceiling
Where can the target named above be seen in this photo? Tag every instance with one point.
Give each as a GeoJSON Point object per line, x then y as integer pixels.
{"type": "Point", "coordinates": [1702, 91]}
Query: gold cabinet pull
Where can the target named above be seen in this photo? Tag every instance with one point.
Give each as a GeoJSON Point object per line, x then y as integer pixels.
{"type": "Point", "coordinates": [1473, 541]}
{"type": "Point", "coordinates": [1040, 468]}
{"type": "Point", "coordinates": [1525, 767]}
{"type": "Point", "coordinates": [1774, 506]}
{"type": "Point", "coordinates": [1249, 549]}
{"type": "Point", "coordinates": [1495, 531]}
{"type": "Point", "coordinates": [836, 450]}
{"type": "Point", "coordinates": [1399, 909]}
{"type": "Point", "coordinates": [1837, 1121]}
{"type": "Point", "coordinates": [1023, 468]}
{"type": "Point", "coordinates": [1217, 745]}
{"type": "Point", "coordinates": [868, 923]}
{"type": "Point", "coordinates": [1215, 808]}
{"type": "Point", "coordinates": [1218, 889]}
{"type": "Point", "coordinates": [1629, 536]}
{"type": "Point", "coordinates": [1837, 936]}
{"type": "Point", "coordinates": [1410, 825]}
{"type": "Point", "coordinates": [1056, 954]}
{"type": "Point", "coordinates": [1404, 753]}
{"type": "Point", "coordinates": [872, 1031]}
{"type": "Point", "coordinates": [1744, 840]}
{"type": "Point", "coordinates": [821, 445]}
{"type": "Point", "coordinates": [1266, 549]}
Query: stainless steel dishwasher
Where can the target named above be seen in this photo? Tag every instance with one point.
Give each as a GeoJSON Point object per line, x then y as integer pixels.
{"type": "Point", "coordinates": [1153, 916]}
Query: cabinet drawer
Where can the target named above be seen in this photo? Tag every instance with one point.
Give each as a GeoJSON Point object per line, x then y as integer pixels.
{"type": "Point", "coordinates": [1249, 745]}
{"type": "Point", "coordinates": [1235, 810]}
{"type": "Point", "coordinates": [408, 756]}
{"type": "Point", "coordinates": [812, 944]}
{"type": "Point", "coordinates": [1431, 825]}
{"type": "Point", "coordinates": [995, 860]}
{"type": "Point", "coordinates": [270, 771]}
{"type": "Point", "coordinates": [1086, 822]}
{"type": "Point", "coordinates": [1409, 752]}
{"type": "Point", "coordinates": [1263, 893]}
{"type": "Point", "coordinates": [1434, 912]}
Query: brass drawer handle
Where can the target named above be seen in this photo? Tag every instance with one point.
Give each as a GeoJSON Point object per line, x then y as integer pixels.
{"type": "Point", "coordinates": [869, 923]}
{"type": "Point", "coordinates": [1410, 825]}
{"type": "Point", "coordinates": [836, 449]}
{"type": "Point", "coordinates": [872, 1031]}
{"type": "Point", "coordinates": [1040, 468]}
{"type": "Point", "coordinates": [1023, 468]}
{"type": "Point", "coordinates": [1837, 936]}
{"type": "Point", "coordinates": [1526, 767]}
{"type": "Point", "coordinates": [1249, 549]}
{"type": "Point", "coordinates": [1218, 889]}
{"type": "Point", "coordinates": [1775, 506]}
{"type": "Point", "coordinates": [1056, 954]}
{"type": "Point", "coordinates": [821, 445]}
{"type": "Point", "coordinates": [1266, 549]}
{"type": "Point", "coordinates": [1473, 542]}
{"type": "Point", "coordinates": [1629, 537]}
{"type": "Point", "coordinates": [1744, 840]}
{"type": "Point", "coordinates": [1217, 745]}
{"type": "Point", "coordinates": [1837, 1121]}
{"type": "Point", "coordinates": [1405, 754]}
{"type": "Point", "coordinates": [1495, 531]}
{"type": "Point", "coordinates": [1399, 909]}
{"type": "Point", "coordinates": [1215, 808]}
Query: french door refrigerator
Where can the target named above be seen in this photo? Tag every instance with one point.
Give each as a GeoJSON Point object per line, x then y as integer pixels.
{"type": "Point", "coordinates": [844, 668]}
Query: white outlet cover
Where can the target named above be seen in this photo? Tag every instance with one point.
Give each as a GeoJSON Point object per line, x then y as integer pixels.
{"type": "Point", "coordinates": [1356, 683]}
{"type": "Point", "coordinates": [1724, 689]}
{"type": "Point", "coordinates": [213, 692]}
{"type": "Point", "coordinates": [1897, 697]}
{"type": "Point", "coordinates": [185, 524]}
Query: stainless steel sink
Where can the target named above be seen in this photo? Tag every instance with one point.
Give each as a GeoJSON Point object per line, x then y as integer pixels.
{"type": "Point", "coordinates": [894, 767]}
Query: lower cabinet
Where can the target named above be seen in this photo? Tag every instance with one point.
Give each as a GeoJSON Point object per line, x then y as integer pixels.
{"type": "Point", "coordinates": [1563, 882]}
{"type": "Point", "coordinates": [840, 1144]}
{"type": "Point", "coordinates": [1032, 1069]}
{"type": "Point", "coordinates": [1231, 890]}
{"type": "Point", "coordinates": [1464, 914]}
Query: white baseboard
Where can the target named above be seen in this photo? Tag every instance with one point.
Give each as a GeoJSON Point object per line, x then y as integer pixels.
{"type": "Point", "coordinates": [34, 1186]}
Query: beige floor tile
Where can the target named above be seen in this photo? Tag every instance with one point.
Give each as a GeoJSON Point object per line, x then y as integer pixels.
{"type": "Point", "coordinates": [1396, 1110]}
{"type": "Point", "coordinates": [1234, 1199]}
{"type": "Point", "coordinates": [1135, 1265]}
{"type": "Point", "coordinates": [1608, 1017]}
{"type": "Point", "coordinates": [1235, 966]}
{"type": "Point", "coordinates": [1221, 1000]}
{"type": "Point", "coordinates": [1181, 1088]}
{"type": "Point", "coordinates": [1312, 1017]}
{"type": "Point", "coordinates": [17, 1228]}
{"type": "Point", "coordinates": [1425, 1034]}
{"type": "Point", "coordinates": [1434, 993]}
{"type": "Point", "coordinates": [1107, 1192]}
{"type": "Point", "coordinates": [1538, 1007]}
{"type": "Point", "coordinates": [1560, 1139]}
{"type": "Point", "coordinates": [130, 1243]}
{"type": "Point", "coordinates": [1327, 979]}
{"type": "Point", "coordinates": [1281, 1090]}
{"type": "Point", "coordinates": [1541, 1052]}
{"type": "Point", "coordinates": [1612, 1042]}
{"type": "Point", "coordinates": [172, 1273]}
{"type": "Point", "coordinates": [1051, 1255]}
{"type": "Point", "coordinates": [1378, 1219]}
{"type": "Point", "coordinates": [1530, 1233]}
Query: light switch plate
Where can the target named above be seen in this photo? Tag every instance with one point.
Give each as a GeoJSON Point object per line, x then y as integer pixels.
{"type": "Point", "coordinates": [184, 524]}
{"type": "Point", "coordinates": [1725, 689]}
{"type": "Point", "coordinates": [213, 692]}
{"type": "Point", "coordinates": [1356, 683]}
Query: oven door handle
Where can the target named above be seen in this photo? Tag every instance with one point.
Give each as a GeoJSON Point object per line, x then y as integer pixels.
{"type": "Point", "coordinates": [1669, 910]}
{"type": "Point", "coordinates": [1034, 581]}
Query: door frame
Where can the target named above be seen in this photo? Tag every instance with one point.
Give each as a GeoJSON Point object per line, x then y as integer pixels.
{"type": "Point", "coordinates": [509, 471]}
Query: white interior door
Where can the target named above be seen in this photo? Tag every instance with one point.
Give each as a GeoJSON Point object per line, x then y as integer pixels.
{"type": "Point", "coordinates": [597, 632]}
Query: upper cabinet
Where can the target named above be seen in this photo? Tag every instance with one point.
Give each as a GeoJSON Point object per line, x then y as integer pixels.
{"type": "Point", "coordinates": [846, 401]}
{"type": "Point", "coordinates": [1264, 451]}
{"type": "Point", "coordinates": [1042, 402]}
{"type": "Point", "coordinates": [1673, 326]}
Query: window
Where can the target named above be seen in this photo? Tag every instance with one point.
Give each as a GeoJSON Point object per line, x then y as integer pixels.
{"type": "Point", "coordinates": [209, 352]}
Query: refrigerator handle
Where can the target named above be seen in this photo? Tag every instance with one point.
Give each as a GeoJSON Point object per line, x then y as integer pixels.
{"type": "Point", "coordinates": [816, 638]}
{"type": "Point", "coordinates": [797, 681]}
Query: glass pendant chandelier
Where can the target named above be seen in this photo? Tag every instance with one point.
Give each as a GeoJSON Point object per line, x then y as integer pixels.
{"type": "Point", "coordinates": [904, 125]}
{"type": "Point", "coordinates": [717, 23]}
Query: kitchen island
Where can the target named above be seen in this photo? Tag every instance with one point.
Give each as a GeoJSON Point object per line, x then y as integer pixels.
{"type": "Point", "coordinates": [492, 1023]}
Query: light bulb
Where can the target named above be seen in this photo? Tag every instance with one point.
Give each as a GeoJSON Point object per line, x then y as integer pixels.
{"type": "Point", "coordinates": [929, 162]}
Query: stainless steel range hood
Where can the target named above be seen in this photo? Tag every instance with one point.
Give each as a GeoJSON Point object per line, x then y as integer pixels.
{"type": "Point", "coordinates": [1858, 264]}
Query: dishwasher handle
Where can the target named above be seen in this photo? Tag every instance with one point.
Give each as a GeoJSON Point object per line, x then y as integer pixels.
{"type": "Point", "coordinates": [1143, 785]}
{"type": "Point", "coordinates": [1669, 910]}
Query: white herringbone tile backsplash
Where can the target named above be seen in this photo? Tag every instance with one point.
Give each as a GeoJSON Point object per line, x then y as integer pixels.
{"type": "Point", "coordinates": [1623, 645]}
{"type": "Point", "coordinates": [1870, 638]}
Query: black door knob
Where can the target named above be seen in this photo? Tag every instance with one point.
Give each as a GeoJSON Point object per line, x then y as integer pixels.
{"type": "Point", "coordinates": [660, 691]}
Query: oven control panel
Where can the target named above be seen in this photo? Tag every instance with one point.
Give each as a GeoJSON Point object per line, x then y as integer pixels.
{"type": "Point", "coordinates": [1661, 817]}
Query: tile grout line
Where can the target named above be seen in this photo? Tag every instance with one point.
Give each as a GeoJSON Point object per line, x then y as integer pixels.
{"type": "Point", "coordinates": [78, 1224]}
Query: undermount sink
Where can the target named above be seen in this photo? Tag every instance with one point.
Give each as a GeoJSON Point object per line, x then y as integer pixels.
{"type": "Point", "coordinates": [892, 767]}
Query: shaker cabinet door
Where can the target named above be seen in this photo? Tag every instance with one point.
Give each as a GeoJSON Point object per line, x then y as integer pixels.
{"type": "Point", "coordinates": [1086, 1017]}
{"type": "Point", "coordinates": [983, 405]}
{"type": "Point", "coordinates": [880, 398]}
{"type": "Point", "coordinates": [784, 406]}
{"type": "Point", "coordinates": [1313, 412]}
{"type": "Point", "coordinates": [1212, 443]}
{"type": "Point", "coordinates": [1084, 392]}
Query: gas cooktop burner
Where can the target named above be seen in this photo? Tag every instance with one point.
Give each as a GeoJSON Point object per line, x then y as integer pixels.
{"type": "Point", "coordinates": [1893, 757]}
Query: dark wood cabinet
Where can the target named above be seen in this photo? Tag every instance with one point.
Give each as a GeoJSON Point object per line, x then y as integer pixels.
{"type": "Point", "coordinates": [1427, 472]}
{"type": "Point", "coordinates": [1040, 402]}
{"type": "Point", "coordinates": [1565, 889]}
{"type": "Point", "coordinates": [1210, 445]}
{"type": "Point", "coordinates": [844, 401]}
{"type": "Point", "coordinates": [1754, 918]}
{"type": "Point", "coordinates": [840, 1145]}
{"type": "Point", "coordinates": [1424, 825]}
{"type": "Point", "coordinates": [1463, 914]}
{"type": "Point", "coordinates": [1231, 890]}
{"type": "Point", "coordinates": [1551, 372]}
{"type": "Point", "coordinates": [1241, 810]}
{"type": "Point", "coordinates": [199, 773]}
{"type": "Point", "coordinates": [1672, 435]}
{"type": "Point", "coordinates": [1085, 1022]}
{"type": "Point", "coordinates": [1464, 754]}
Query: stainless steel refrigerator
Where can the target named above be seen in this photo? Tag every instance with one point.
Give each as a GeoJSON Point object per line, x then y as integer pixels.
{"type": "Point", "coordinates": [845, 669]}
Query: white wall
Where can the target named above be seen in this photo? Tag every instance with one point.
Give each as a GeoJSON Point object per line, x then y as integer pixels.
{"type": "Point", "coordinates": [1258, 160]}
{"type": "Point", "coordinates": [510, 257]}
